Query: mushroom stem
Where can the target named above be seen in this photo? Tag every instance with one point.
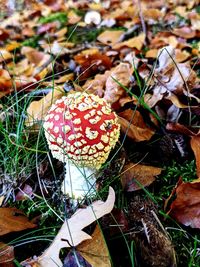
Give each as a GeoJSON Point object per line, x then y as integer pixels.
{"type": "Point", "coordinates": [78, 181]}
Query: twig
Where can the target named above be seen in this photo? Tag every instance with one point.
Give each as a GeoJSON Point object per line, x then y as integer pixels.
{"type": "Point", "coordinates": [144, 29]}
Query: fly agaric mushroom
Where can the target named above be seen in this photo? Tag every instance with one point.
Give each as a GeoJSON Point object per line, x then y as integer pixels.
{"type": "Point", "coordinates": [81, 130]}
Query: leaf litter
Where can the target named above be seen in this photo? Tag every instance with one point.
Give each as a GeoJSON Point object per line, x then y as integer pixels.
{"type": "Point", "coordinates": [143, 58]}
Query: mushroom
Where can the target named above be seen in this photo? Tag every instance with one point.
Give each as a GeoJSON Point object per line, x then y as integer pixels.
{"type": "Point", "coordinates": [81, 129]}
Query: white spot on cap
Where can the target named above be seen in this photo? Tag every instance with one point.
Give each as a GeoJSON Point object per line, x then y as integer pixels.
{"type": "Point", "coordinates": [66, 129]}
{"type": "Point", "coordinates": [90, 134]}
{"type": "Point", "coordinates": [77, 121]}
{"type": "Point", "coordinates": [57, 117]}
{"type": "Point", "coordinates": [56, 129]}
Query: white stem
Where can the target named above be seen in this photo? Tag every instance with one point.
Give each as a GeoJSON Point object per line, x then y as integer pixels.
{"type": "Point", "coordinates": [78, 182]}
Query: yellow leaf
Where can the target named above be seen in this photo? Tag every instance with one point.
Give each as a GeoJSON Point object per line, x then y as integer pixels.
{"type": "Point", "coordinates": [110, 37]}
{"type": "Point", "coordinates": [95, 250]}
{"type": "Point", "coordinates": [135, 42]}
{"type": "Point", "coordinates": [37, 109]}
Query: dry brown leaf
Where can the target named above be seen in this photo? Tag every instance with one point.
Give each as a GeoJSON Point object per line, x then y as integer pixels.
{"type": "Point", "coordinates": [152, 53]}
{"type": "Point", "coordinates": [133, 125]}
{"type": "Point", "coordinates": [72, 17]}
{"type": "Point", "coordinates": [37, 110]}
{"type": "Point", "coordinates": [185, 208]}
{"type": "Point", "coordinates": [153, 14]}
{"type": "Point", "coordinates": [13, 220]}
{"type": "Point", "coordinates": [5, 55]}
{"type": "Point", "coordinates": [136, 176]}
{"type": "Point", "coordinates": [109, 37]}
{"type": "Point", "coordinates": [91, 64]}
{"type": "Point", "coordinates": [34, 56]}
{"type": "Point", "coordinates": [195, 145]}
{"type": "Point", "coordinates": [182, 56]}
{"type": "Point", "coordinates": [135, 42]}
{"type": "Point", "coordinates": [185, 32]}
{"type": "Point", "coordinates": [95, 250]}
{"type": "Point", "coordinates": [97, 85]}
{"type": "Point", "coordinates": [71, 230]}
{"type": "Point", "coordinates": [120, 74]}
{"type": "Point", "coordinates": [6, 255]}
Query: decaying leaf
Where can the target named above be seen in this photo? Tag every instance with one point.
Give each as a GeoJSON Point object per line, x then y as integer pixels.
{"type": "Point", "coordinates": [6, 255]}
{"type": "Point", "coordinates": [133, 125]}
{"type": "Point", "coordinates": [37, 110]}
{"type": "Point", "coordinates": [13, 220]}
{"type": "Point", "coordinates": [136, 176]}
{"type": "Point", "coordinates": [95, 250]}
{"type": "Point", "coordinates": [92, 63]}
{"type": "Point", "coordinates": [185, 32]}
{"type": "Point", "coordinates": [75, 259]}
{"type": "Point", "coordinates": [71, 230]}
{"type": "Point", "coordinates": [119, 75]}
{"type": "Point", "coordinates": [185, 208]}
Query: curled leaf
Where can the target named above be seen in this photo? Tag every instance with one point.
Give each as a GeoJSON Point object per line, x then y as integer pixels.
{"type": "Point", "coordinates": [119, 75]}
{"type": "Point", "coordinates": [133, 125]}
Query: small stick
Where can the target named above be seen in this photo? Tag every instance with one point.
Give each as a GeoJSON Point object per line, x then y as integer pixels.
{"type": "Point", "coordinates": [144, 29]}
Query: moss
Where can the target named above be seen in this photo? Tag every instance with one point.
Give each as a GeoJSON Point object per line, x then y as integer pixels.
{"type": "Point", "coordinates": [58, 16]}
{"type": "Point", "coordinates": [32, 42]}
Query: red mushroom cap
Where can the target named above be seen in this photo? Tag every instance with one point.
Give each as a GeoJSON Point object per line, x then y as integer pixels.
{"type": "Point", "coordinates": [81, 127]}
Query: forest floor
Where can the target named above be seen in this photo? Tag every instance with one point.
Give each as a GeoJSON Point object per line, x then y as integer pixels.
{"type": "Point", "coordinates": [142, 58]}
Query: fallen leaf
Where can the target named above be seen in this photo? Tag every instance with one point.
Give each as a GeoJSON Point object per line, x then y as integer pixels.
{"type": "Point", "coordinates": [71, 230]}
{"type": "Point", "coordinates": [195, 145]}
{"type": "Point", "coordinates": [34, 56]}
{"type": "Point", "coordinates": [136, 176]}
{"type": "Point", "coordinates": [75, 259]}
{"type": "Point", "coordinates": [133, 125]}
{"type": "Point", "coordinates": [135, 42]}
{"type": "Point", "coordinates": [92, 64]}
{"type": "Point", "coordinates": [185, 32]}
{"type": "Point", "coordinates": [6, 255]}
{"type": "Point", "coordinates": [153, 14]}
{"type": "Point", "coordinates": [109, 37]}
{"type": "Point", "coordinates": [72, 17]}
{"type": "Point", "coordinates": [5, 55]}
{"type": "Point", "coordinates": [121, 74]}
{"type": "Point", "coordinates": [185, 208]}
{"type": "Point", "coordinates": [50, 27]}
{"type": "Point", "coordinates": [4, 34]}
{"type": "Point", "coordinates": [95, 250]}
{"type": "Point", "coordinates": [12, 46]}
{"type": "Point", "coordinates": [152, 53]}
{"type": "Point", "coordinates": [96, 86]}
{"type": "Point", "coordinates": [182, 56]}
{"type": "Point", "coordinates": [37, 110]}
{"type": "Point", "coordinates": [13, 220]}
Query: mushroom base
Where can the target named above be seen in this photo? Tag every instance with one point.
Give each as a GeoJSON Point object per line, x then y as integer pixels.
{"type": "Point", "coordinates": [78, 181]}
